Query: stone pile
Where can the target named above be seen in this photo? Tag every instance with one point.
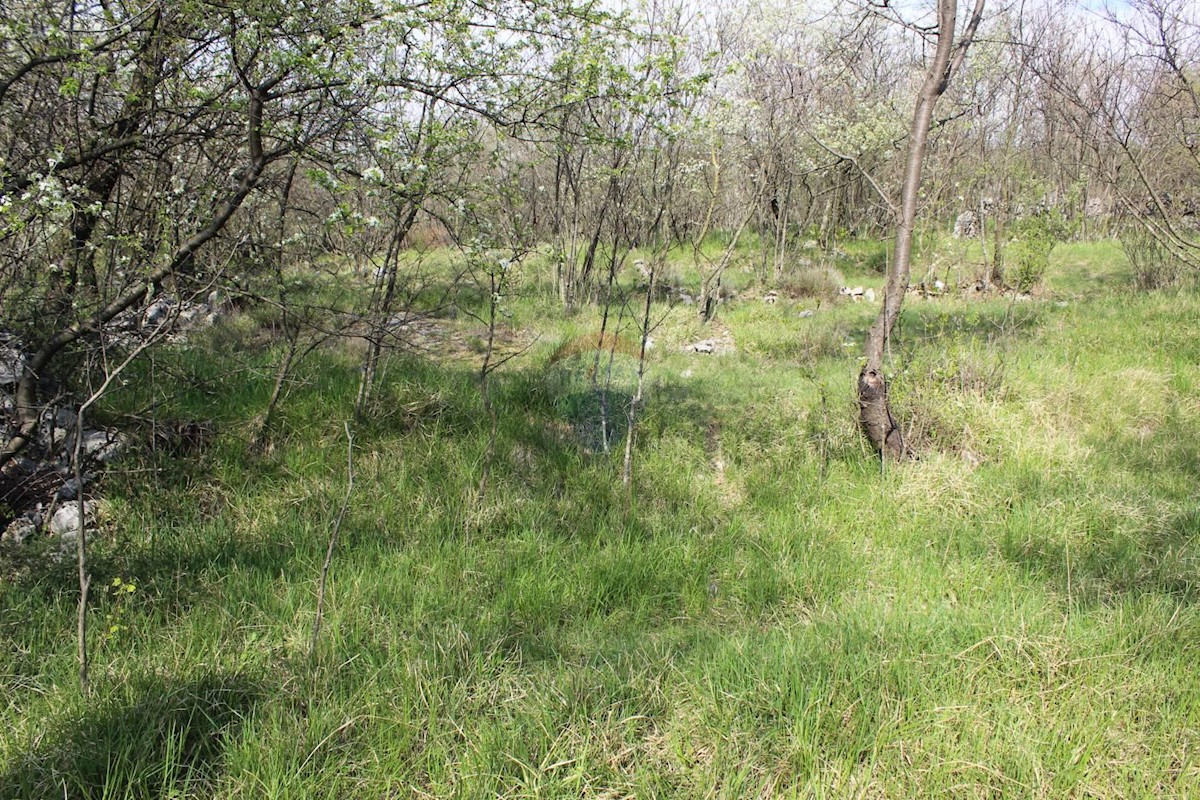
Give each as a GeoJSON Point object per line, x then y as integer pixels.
{"type": "Point", "coordinates": [858, 293]}
{"type": "Point", "coordinates": [38, 491]}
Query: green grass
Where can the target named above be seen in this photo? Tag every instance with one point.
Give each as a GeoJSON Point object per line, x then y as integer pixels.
{"type": "Point", "coordinates": [767, 615]}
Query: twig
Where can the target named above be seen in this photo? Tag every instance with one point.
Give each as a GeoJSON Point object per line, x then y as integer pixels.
{"type": "Point", "coordinates": [333, 537]}
{"type": "Point", "coordinates": [627, 470]}
{"type": "Point", "coordinates": [85, 579]}
{"type": "Point", "coordinates": [887, 200]}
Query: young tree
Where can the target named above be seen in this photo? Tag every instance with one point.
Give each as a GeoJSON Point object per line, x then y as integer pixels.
{"type": "Point", "coordinates": [875, 413]}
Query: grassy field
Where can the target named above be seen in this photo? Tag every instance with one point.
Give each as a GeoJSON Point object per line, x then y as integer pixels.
{"type": "Point", "coordinates": [767, 614]}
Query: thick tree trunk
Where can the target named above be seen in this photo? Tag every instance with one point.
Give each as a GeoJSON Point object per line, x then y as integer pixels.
{"type": "Point", "coordinates": [875, 414]}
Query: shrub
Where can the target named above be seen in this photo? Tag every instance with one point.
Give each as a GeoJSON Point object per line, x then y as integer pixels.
{"type": "Point", "coordinates": [816, 281]}
{"type": "Point", "coordinates": [1154, 266]}
{"type": "Point", "coordinates": [1036, 237]}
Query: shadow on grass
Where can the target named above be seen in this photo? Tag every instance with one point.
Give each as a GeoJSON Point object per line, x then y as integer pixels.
{"type": "Point", "coordinates": [1109, 563]}
{"type": "Point", "coordinates": [202, 525]}
{"type": "Point", "coordinates": [161, 740]}
{"type": "Point", "coordinates": [171, 568]}
{"type": "Point", "coordinates": [1122, 547]}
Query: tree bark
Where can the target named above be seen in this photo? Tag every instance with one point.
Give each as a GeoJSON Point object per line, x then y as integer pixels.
{"type": "Point", "coordinates": [875, 413]}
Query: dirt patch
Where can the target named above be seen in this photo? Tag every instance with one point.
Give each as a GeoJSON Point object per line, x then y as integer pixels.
{"type": "Point", "coordinates": [448, 339]}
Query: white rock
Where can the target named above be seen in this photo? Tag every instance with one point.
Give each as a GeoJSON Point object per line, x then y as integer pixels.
{"type": "Point", "coordinates": [19, 530]}
{"type": "Point", "coordinates": [66, 519]}
{"type": "Point", "coordinates": [102, 445]}
{"type": "Point", "coordinates": [870, 295]}
{"type": "Point", "coordinates": [12, 365]}
{"type": "Point", "coordinates": [706, 346]}
{"type": "Point", "coordinates": [157, 312]}
{"type": "Point", "coordinates": [190, 312]}
{"type": "Point", "coordinates": [966, 225]}
{"type": "Point", "coordinates": [808, 312]}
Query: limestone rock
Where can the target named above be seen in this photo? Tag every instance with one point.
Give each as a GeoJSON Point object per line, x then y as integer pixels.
{"type": "Point", "coordinates": [12, 365]}
{"type": "Point", "coordinates": [104, 445]}
{"type": "Point", "coordinates": [157, 312]}
{"type": "Point", "coordinates": [21, 529]}
{"type": "Point", "coordinates": [966, 226]}
{"type": "Point", "coordinates": [65, 521]}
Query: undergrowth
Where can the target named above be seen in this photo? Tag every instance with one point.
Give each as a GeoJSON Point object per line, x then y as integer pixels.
{"type": "Point", "coordinates": [767, 613]}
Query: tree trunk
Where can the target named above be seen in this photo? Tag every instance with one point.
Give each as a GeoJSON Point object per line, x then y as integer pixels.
{"type": "Point", "coordinates": [875, 413]}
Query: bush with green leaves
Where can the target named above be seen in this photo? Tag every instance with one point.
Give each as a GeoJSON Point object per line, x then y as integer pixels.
{"type": "Point", "coordinates": [1035, 238]}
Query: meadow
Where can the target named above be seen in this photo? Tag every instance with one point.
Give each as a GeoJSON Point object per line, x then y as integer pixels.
{"type": "Point", "coordinates": [767, 612]}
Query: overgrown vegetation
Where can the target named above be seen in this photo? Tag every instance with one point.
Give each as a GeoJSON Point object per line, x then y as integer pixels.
{"type": "Point", "coordinates": [1015, 616]}
{"type": "Point", "coordinates": [482, 399]}
{"type": "Point", "coordinates": [1154, 265]}
{"type": "Point", "coordinates": [1037, 235]}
